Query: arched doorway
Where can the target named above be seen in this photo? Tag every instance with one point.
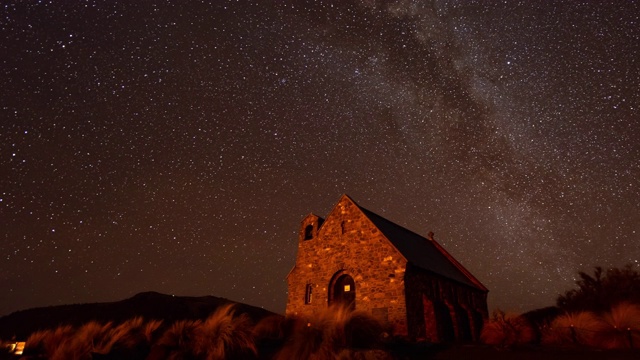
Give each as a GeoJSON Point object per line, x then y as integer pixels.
{"type": "Point", "coordinates": [344, 291]}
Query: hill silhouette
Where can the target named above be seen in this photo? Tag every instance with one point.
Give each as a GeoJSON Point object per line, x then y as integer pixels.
{"type": "Point", "coordinates": [149, 305]}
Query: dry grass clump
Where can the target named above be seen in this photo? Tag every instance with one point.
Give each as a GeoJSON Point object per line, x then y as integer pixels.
{"type": "Point", "coordinates": [619, 328]}
{"type": "Point", "coordinates": [223, 335]}
{"type": "Point", "coordinates": [572, 328]}
{"type": "Point", "coordinates": [337, 332]}
{"type": "Point", "coordinates": [303, 342]}
{"type": "Point", "coordinates": [177, 341]}
{"type": "Point", "coordinates": [66, 342]}
{"type": "Point", "coordinates": [271, 332]}
{"type": "Point", "coordinates": [35, 342]}
{"type": "Point", "coordinates": [131, 338]}
{"type": "Point", "coordinates": [273, 327]}
{"type": "Point", "coordinates": [92, 337]}
{"type": "Point", "coordinates": [48, 342]}
{"type": "Point", "coordinates": [507, 329]}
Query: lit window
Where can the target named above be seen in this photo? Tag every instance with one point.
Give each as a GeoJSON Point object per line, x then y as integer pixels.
{"type": "Point", "coordinates": [347, 288]}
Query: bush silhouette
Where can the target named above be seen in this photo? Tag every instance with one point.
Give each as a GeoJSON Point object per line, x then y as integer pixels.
{"type": "Point", "coordinates": [602, 290]}
{"type": "Point", "coordinates": [507, 329]}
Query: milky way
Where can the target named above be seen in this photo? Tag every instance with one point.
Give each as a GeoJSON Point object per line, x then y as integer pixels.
{"type": "Point", "coordinates": [175, 146]}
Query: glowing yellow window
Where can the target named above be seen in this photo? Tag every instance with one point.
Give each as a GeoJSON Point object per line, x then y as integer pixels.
{"type": "Point", "coordinates": [347, 288]}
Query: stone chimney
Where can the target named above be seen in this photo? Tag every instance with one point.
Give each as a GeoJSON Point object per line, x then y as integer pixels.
{"type": "Point", "coordinates": [430, 235]}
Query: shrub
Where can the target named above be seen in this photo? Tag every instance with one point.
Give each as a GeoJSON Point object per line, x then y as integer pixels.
{"type": "Point", "coordinates": [507, 329]}
{"type": "Point", "coordinates": [603, 290]}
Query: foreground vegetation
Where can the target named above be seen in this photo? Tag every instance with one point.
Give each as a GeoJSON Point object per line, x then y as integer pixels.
{"type": "Point", "coordinates": [337, 333]}
{"type": "Point", "coordinates": [618, 328]}
{"type": "Point", "coordinates": [599, 319]}
{"type": "Point", "coordinates": [603, 312]}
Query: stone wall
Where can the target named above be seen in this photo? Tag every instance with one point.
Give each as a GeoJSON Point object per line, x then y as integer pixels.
{"type": "Point", "coordinates": [348, 243]}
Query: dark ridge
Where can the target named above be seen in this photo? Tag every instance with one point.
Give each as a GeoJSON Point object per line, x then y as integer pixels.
{"type": "Point", "coordinates": [149, 305]}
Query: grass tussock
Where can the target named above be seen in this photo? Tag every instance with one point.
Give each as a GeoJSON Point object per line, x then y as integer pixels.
{"type": "Point", "coordinates": [506, 330]}
{"type": "Point", "coordinates": [334, 333]}
{"type": "Point", "coordinates": [92, 337]}
{"type": "Point", "coordinates": [50, 343]}
{"type": "Point", "coordinates": [223, 335]}
{"type": "Point", "coordinates": [619, 328]}
{"type": "Point", "coordinates": [271, 333]}
{"type": "Point", "coordinates": [35, 342]}
{"type": "Point", "coordinates": [132, 338]}
{"type": "Point", "coordinates": [274, 327]}
{"type": "Point", "coordinates": [572, 329]}
{"type": "Point", "coordinates": [177, 341]}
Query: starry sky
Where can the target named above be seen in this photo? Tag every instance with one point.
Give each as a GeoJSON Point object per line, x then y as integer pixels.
{"type": "Point", "coordinates": [175, 146]}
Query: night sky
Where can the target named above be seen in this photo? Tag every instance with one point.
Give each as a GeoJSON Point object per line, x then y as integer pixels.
{"type": "Point", "coordinates": [175, 146]}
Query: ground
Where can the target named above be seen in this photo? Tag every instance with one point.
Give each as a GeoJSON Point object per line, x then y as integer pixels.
{"type": "Point", "coordinates": [481, 352]}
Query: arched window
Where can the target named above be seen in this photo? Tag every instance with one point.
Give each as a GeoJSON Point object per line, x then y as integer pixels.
{"type": "Point", "coordinates": [308, 292]}
{"type": "Point", "coordinates": [308, 232]}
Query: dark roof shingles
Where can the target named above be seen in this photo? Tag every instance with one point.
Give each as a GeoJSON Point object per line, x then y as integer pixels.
{"type": "Point", "coordinates": [418, 250]}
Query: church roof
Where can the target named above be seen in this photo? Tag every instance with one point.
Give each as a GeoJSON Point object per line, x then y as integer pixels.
{"type": "Point", "coordinates": [422, 252]}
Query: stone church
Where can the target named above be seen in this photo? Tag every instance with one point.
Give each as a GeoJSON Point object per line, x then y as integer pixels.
{"type": "Point", "coordinates": [364, 261]}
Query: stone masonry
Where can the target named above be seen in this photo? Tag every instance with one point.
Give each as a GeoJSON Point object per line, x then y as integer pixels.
{"type": "Point", "coordinates": [347, 258]}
